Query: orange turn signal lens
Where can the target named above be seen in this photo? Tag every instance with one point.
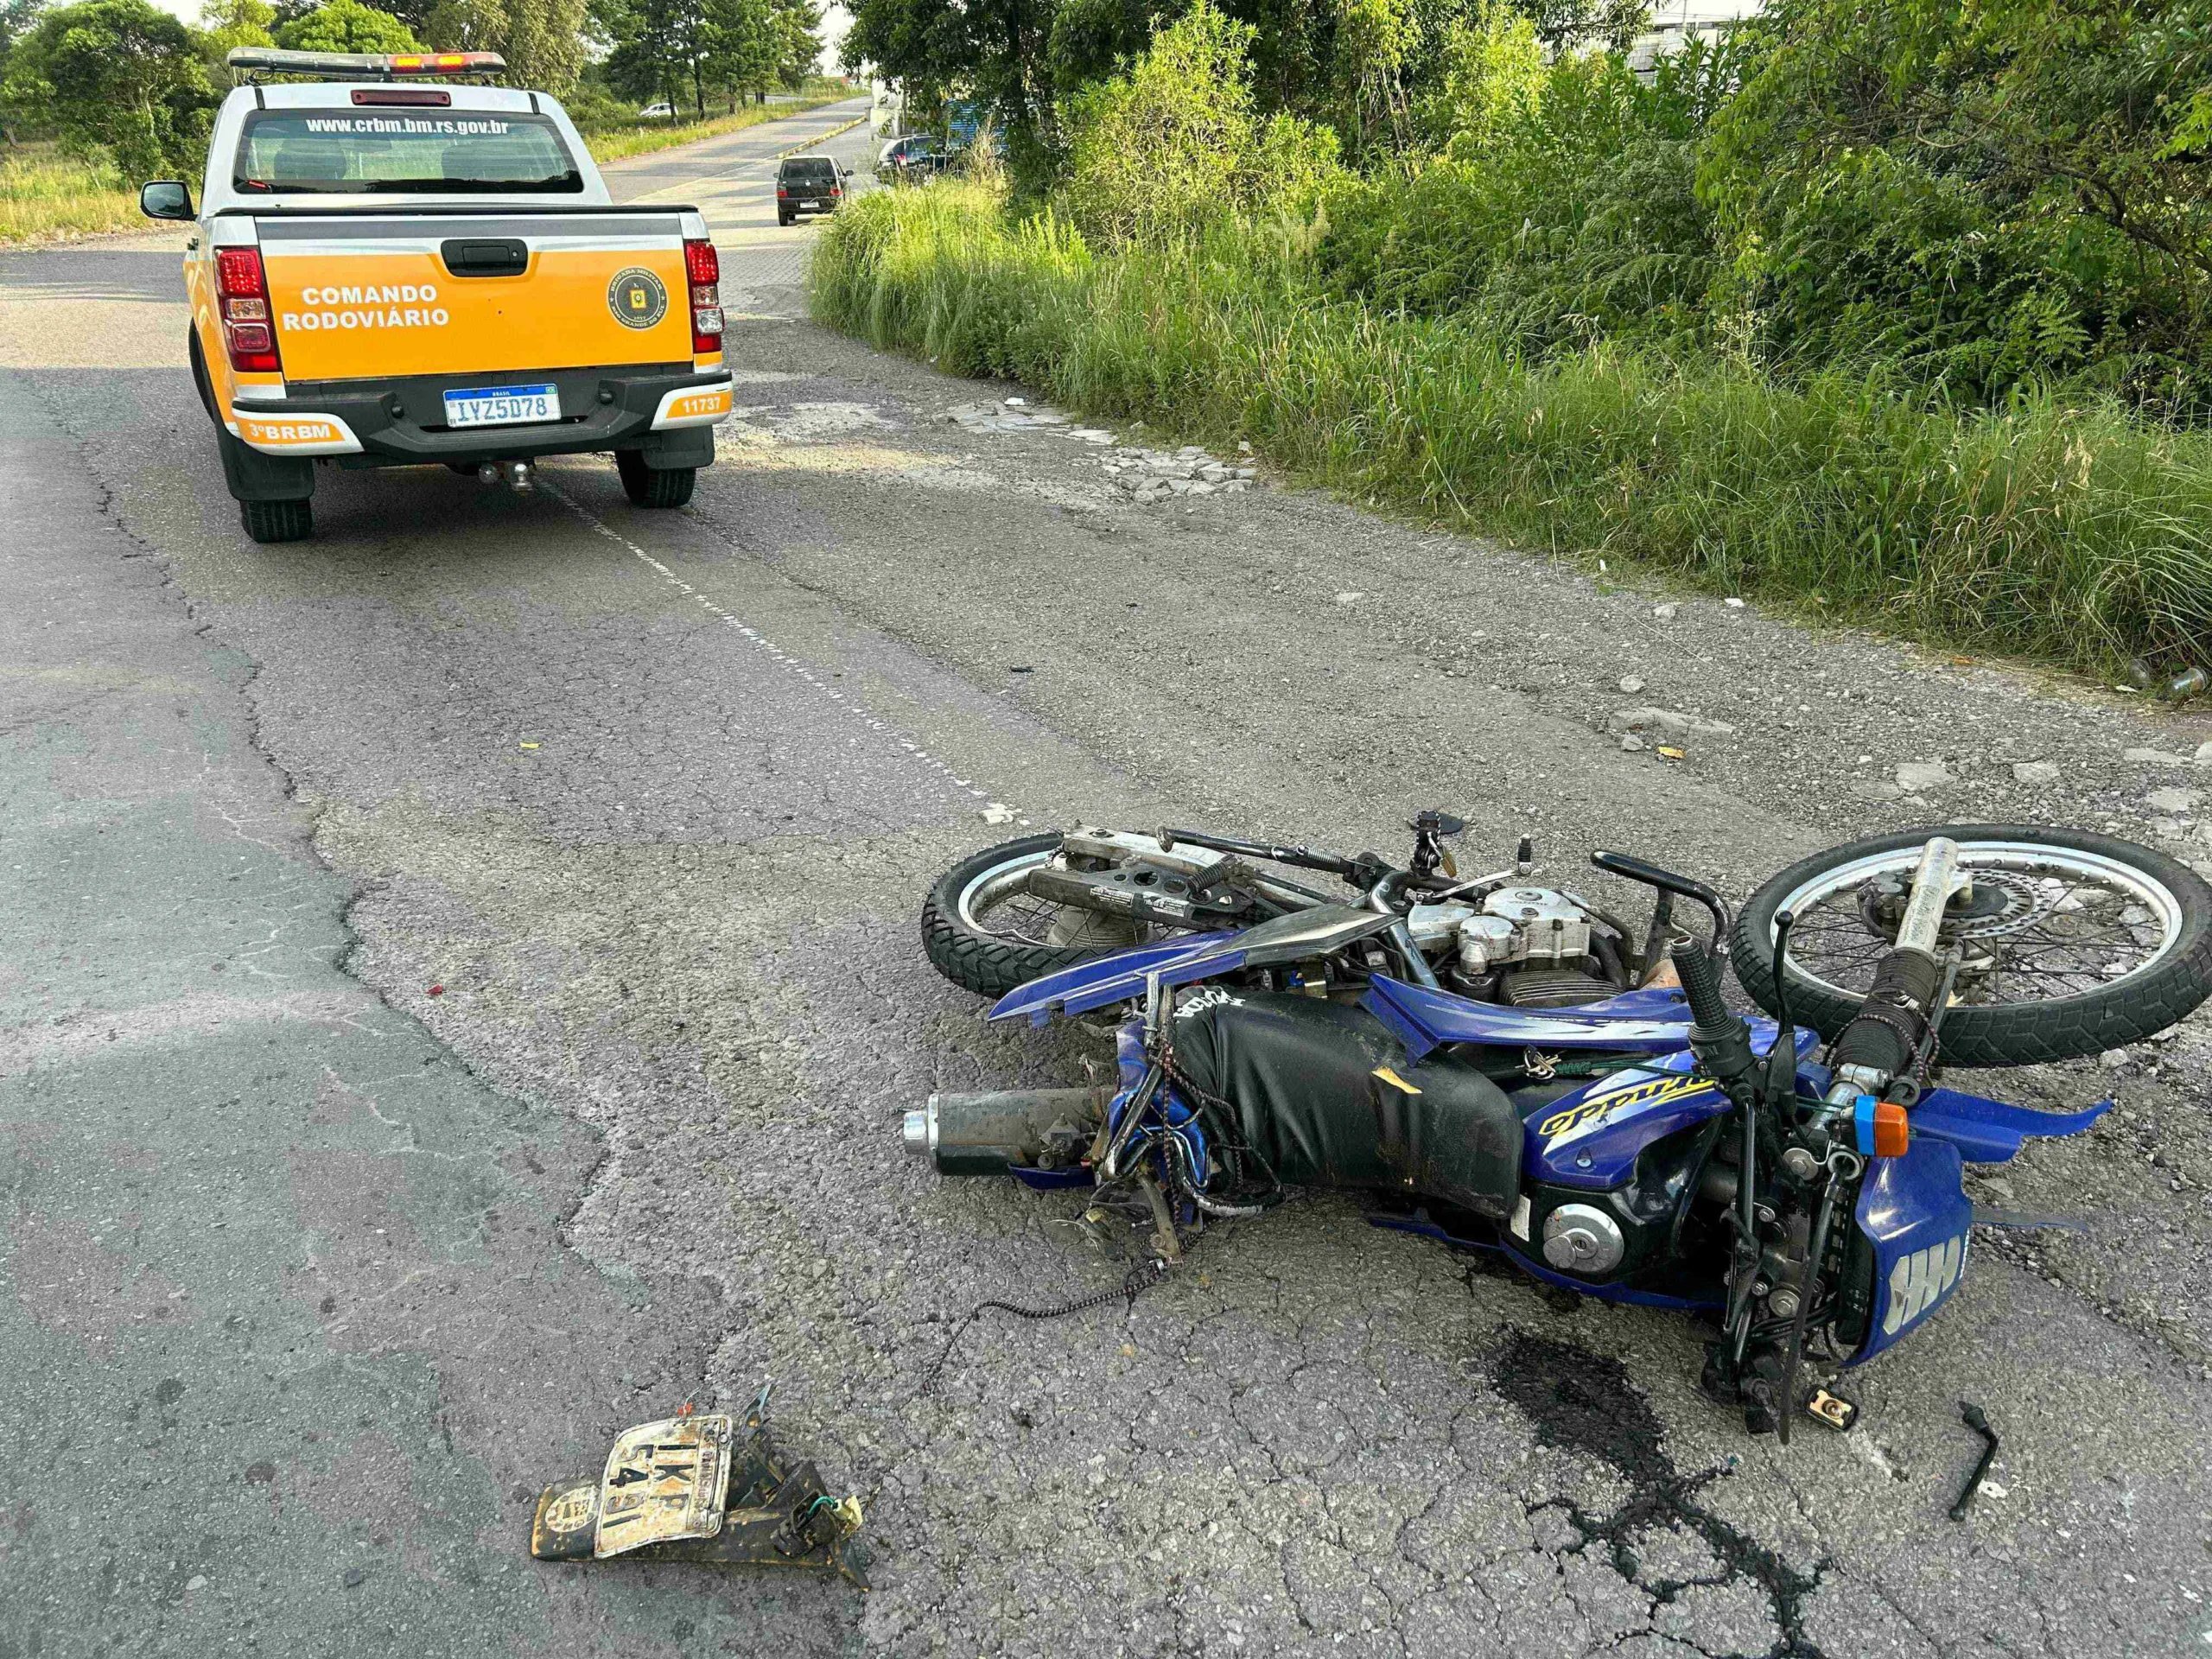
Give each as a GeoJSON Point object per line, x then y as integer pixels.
{"type": "Point", "coordinates": [1883, 1129]}
{"type": "Point", "coordinates": [1892, 1133]}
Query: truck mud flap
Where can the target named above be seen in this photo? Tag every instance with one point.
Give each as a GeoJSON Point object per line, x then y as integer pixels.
{"type": "Point", "coordinates": [254, 476]}
{"type": "Point", "coordinates": [685, 446]}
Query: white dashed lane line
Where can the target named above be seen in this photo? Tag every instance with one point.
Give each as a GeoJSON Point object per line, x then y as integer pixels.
{"type": "Point", "coordinates": [994, 811]}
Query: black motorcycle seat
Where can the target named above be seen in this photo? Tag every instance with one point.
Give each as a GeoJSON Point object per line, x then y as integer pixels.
{"type": "Point", "coordinates": [1325, 1096]}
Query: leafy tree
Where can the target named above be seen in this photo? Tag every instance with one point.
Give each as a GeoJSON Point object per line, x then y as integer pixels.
{"type": "Point", "coordinates": [1176, 142]}
{"type": "Point", "coordinates": [346, 26]}
{"type": "Point", "coordinates": [542, 42]}
{"type": "Point", "coordinates": [998, 51]}
{"type": "Point", "coordinates": [16, 16]}
{"type": "Point", "coordinates": [231, 23]}
{"type": "Point", "coordinates": [119, 81]}
{"type": "Point", "coordinates": [1978, 190]}
{"type": "Point", "coordinates": [744, 45]}
{"type": "Point", "coordinates": [654, 46]}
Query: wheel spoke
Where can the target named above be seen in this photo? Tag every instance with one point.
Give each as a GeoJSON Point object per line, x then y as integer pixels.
{"type": "Point", "coordinates": [2044, 922]}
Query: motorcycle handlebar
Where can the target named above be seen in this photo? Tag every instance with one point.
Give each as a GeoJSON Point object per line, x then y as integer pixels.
{"type": "Point", "coordinates": [1637, 869]}
{"type": "Point", "coordinates": [1701, 975]}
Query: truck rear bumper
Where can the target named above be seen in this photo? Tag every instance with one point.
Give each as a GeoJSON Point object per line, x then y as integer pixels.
{"type": "Point", "coordinates": [401, 422]}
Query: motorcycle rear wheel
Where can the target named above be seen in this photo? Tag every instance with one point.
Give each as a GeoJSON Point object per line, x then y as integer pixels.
{"type": "Point", "coordinates": [986, 935]}
{"type": "Point", "coordinates": [2093, 942]}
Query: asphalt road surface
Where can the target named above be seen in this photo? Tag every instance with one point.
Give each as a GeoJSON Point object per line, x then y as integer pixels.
{"type": "Point", "coordinates": [458, 986]}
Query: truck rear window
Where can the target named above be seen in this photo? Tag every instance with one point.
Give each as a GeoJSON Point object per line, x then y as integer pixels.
{"type": "Point", "coordinates": [401, 152]}
{"type": "Point", "coordinates": [822, 173]}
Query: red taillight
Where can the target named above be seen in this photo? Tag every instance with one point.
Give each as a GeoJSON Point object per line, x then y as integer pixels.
{"type": "Point", "coordinates": [782, 194]}
{"type": "Point", "coordinates": [704, 267]}
{"type": "Point", "coordinates": [241, 297]}
{"type": "Point", "coordinates": [422, 96]}
{"type": "Point", "coordinates": [237, 273]}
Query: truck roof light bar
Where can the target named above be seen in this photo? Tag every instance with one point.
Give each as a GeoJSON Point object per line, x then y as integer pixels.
{"type": "Point", "coordinates": [250, 62]}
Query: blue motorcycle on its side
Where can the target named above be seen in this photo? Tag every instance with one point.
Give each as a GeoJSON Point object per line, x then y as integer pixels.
{"type": "Point", "coordinates": [1504, 1065]}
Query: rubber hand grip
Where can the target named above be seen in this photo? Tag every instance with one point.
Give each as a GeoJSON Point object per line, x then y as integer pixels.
{"type": "Point", "coordinates": [1700, 978]}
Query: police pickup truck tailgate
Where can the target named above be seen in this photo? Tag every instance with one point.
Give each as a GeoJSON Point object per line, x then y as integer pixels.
{"type": "Point", "coordinates": [359, 296]}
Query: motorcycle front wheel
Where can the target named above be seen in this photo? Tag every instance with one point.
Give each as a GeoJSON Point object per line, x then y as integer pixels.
{"type": "Point", "coordinates": [2068, 943]}
{"type": "Point", "coordinates": [987, 935]}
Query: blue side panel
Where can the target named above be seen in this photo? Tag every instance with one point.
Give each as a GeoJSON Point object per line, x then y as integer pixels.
{"type": "Point", "coordinates": [1112, 979]}
{"type": "Point", "coordinates": [1989, 1131]}
{"type": "Point", "coordinates": [1592, 1137]}
{"type": "Point", "coordinates": [1916, 1214]}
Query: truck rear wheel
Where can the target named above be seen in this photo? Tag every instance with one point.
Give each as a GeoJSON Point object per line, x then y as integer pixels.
{"type": "Point", "coordinates": [654, 486]}
{"type": "Point", "coordinates": [277, 521]}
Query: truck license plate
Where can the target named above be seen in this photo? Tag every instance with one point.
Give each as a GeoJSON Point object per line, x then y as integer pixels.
{"type": "Point", "coordinates": [502, 405]}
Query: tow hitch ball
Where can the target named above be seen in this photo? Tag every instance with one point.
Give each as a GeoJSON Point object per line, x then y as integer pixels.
{"type": "Point", "coordinates": [515, 473]}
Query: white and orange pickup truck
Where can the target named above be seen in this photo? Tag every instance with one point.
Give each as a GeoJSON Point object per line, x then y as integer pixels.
{"type": "Point", "coordinates": [395, 264]}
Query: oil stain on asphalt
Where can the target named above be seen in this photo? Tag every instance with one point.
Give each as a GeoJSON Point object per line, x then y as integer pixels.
{"type": "Point", "coordinates": [1583, 1402]}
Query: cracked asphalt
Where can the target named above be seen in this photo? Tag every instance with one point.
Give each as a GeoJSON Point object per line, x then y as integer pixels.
{"type": "Point", "coordinates": [458, 985]}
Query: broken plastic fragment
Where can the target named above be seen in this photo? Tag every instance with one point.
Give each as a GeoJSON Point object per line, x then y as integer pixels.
{"type": "Point", "coordinates": [701, 1487]}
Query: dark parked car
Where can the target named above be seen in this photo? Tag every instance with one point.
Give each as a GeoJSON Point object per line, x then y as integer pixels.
{"type": "Point", "coordinates": [915, 159]}
{"type": "Point", "coordinates": [809, 184]}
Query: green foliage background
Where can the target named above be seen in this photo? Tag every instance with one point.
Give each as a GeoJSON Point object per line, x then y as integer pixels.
{"type": "Point", "coordinates": [1967, 197]}
{"type": "Point", "coordinates": [1892, 308]}
{"type": "Point", "coordinates": [127, 92]}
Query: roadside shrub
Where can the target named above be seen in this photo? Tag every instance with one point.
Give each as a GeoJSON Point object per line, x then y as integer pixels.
{"type": "Point", "coordinates": [1981, 196]}
{"type": "Point", "coordinates": [1172, 149]}
{"type": "Point", "coordinates": [2056, 528]}
{"type": "Point", "coordinates": [1564, 208]}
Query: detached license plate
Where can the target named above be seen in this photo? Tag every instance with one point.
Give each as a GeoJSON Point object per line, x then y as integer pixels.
{"type": "Point", "coordinates": [503, 405]}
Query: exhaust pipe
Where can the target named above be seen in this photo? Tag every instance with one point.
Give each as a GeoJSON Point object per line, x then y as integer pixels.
{"type": "Point", "coordinates": [983, 1134]}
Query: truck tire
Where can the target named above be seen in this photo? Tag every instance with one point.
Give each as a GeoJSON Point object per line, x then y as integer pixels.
{"type": "Point", "coordinates": [277, 521]}
{"type": "Point", "coordinates": [654, 486]}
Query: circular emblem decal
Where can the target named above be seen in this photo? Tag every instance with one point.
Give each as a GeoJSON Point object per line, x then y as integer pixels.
{"type": "Point", "coordinates": [637, 298]}
{"type": "Point", "coordinates": [572, 1511]}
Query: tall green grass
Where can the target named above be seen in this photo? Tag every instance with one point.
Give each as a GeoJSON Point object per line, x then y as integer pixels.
{"type": "Point", "coordinates": [2058, 530]}
{"type": "Point", "coordinates": [44, 195]}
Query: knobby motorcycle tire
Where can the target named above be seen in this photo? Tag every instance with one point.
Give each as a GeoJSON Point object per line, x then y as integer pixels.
{"type": "Point", "coordinates": [2018, 1033]}
{"type": "Point", "coordinates": [984, 963]}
